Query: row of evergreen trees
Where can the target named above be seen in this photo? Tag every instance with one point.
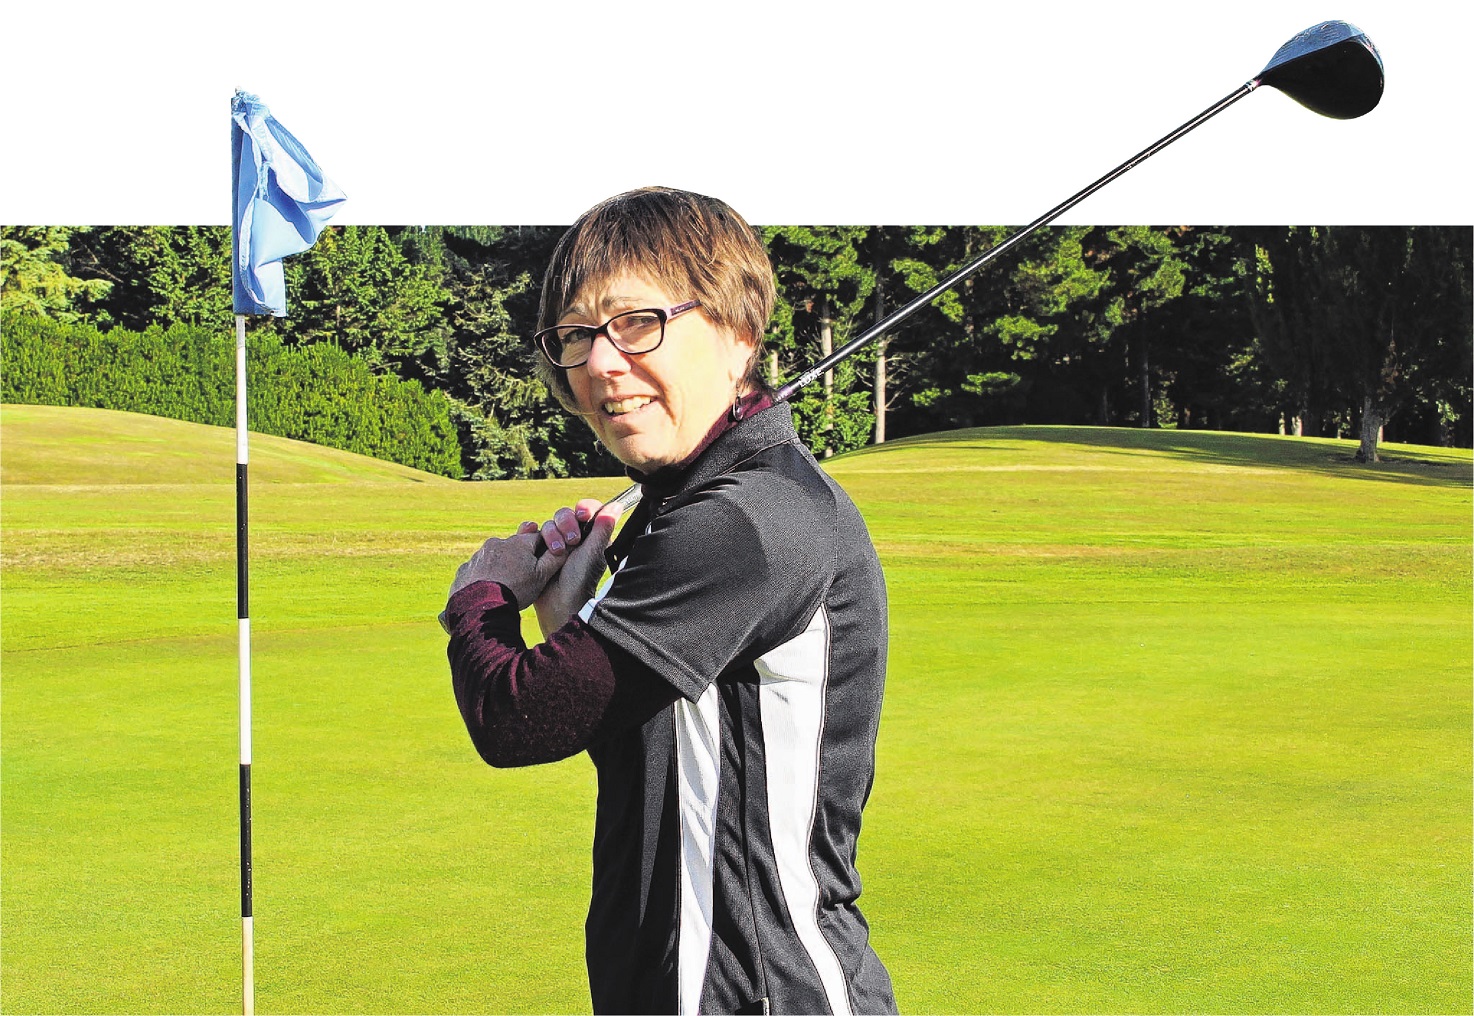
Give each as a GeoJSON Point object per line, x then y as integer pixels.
{"type": "Point", "coordinates": [1313, 330]}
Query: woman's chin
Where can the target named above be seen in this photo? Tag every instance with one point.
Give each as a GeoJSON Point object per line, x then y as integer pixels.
{"type": "Point", "coordinates": [642, 454]}
{"type": "Point", "coordinates": [644, 463]}
{"type": "Point", "coordinates": [644, 442]}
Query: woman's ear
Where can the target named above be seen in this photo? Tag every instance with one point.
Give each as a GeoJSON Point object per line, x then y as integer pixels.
{"type": "Point", "coordinates": [744, 348]}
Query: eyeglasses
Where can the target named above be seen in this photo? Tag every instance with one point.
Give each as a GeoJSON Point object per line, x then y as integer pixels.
{"type": "Point", "coordinates": [634, 332]}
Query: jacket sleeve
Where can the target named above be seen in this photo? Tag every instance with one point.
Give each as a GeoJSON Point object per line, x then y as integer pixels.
{"type": "Point", "coordinates": [721, 576]}
{"type": "Point", "coordinates": [525, 706]}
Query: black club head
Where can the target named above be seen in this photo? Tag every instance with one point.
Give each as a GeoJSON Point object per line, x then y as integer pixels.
{"type": "Point", "coordinates": [1332, 68]}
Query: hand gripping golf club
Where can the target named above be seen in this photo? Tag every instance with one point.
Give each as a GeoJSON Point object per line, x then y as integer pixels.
{"type": "Point", "coordinates": [1331, 68]}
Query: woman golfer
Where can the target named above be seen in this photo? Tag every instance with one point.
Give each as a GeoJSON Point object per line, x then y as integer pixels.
{"type": "Point", "coordinates": [726, 681]}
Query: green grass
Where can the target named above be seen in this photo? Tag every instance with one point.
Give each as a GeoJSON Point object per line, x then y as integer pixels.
{"type": "Point", "coordinates": [1176, 722]}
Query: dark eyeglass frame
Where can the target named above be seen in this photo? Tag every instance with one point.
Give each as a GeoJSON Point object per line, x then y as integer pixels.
{"type": "Point", "coordinates": [544, 337]}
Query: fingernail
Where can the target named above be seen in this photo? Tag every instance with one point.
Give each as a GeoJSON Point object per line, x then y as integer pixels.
{"type": "Point", "coordinates": [555, 544]}
{"type": "Point", "coordinates": [580, 513]}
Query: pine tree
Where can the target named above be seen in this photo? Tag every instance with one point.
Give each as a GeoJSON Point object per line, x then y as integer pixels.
{"type": "Point", "coordinates": [35, 273]}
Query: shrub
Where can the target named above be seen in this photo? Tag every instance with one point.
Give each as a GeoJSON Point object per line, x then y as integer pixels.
{"type": "Point", "coordinates": [316, 393]}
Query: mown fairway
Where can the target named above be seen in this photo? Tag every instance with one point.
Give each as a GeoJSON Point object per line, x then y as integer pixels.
{"type": "Point", "coordinates": [1175, 722]}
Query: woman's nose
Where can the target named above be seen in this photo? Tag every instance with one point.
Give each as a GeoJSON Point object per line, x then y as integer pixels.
{"type": "Point", "coordinates": [605, 358]}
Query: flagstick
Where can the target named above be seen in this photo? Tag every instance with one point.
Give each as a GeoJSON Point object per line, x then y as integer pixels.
{"type": "Point", "coordinates": [269, 170]}
{"type": "Point", "coordinates": [248, 971]}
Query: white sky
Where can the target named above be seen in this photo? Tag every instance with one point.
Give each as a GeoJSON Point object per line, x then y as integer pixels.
{"type": "Point", "coordinates": [935, 111]}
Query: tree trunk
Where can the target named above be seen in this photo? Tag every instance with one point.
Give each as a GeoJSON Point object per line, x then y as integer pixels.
{"type": "Point", "coordinates": [1105, 408]}
{"type": "Point", "coordinates": [1310, 422]}
{"type": "Point", "coordinates": [826, 346]}
{"type": "Point", "coordinates": [773, 368]}
{"type": "Point", "coordinates": [1443, 429]}
{"type": "Point", "coordinates": [880, 394]}
{"type": "Point", "coordinates": [1373, 415]}
{"type": "Point", "coordinates": [1146, 387]}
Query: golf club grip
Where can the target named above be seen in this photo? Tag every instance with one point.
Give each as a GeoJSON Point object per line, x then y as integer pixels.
{"type": "Point", "coordinates": [626, 500]}
{"type": "Point", "coordinates": [540, 548]}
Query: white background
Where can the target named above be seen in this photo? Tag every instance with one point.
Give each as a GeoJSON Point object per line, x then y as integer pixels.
{"type": "Point", "coordinates": [923, 111]}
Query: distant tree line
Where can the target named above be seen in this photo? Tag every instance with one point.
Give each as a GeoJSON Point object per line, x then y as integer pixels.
{"type": "Point", "coordinates": [1340, 331]}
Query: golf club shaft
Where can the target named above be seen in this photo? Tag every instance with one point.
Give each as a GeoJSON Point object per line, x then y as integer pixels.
{"type": "Point", "coordinates": [630, 497]}
{"type": "Point", "coordinates": [901, 314]}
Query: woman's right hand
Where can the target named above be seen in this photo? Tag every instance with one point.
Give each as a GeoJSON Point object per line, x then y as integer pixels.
{"type": "Point", "coordinates": [582, 558]}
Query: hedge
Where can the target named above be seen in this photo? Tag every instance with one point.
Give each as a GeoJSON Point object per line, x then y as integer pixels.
{"type": "Point", "coordinates": [315, 393]}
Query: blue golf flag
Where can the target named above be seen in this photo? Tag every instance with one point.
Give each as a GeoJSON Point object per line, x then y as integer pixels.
{"type": "Point", "coordinates": [281, 203]}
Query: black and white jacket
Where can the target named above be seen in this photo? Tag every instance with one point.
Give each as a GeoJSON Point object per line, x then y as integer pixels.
{"type": "Point", "coordinates": [729, 691]}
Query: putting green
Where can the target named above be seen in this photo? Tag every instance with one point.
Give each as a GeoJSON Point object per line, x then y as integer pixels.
{"type": "Point", "coordinates": [1176, 721]}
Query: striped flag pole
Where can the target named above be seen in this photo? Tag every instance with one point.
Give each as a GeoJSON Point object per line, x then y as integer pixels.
{"type": "Point", "coordinates": [243, 612]}
{"type": "Point", "coordinates": [280, 202]}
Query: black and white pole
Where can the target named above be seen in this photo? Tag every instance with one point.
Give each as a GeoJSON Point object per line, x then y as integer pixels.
{"type": "Point", "coordinates": [242, 569]}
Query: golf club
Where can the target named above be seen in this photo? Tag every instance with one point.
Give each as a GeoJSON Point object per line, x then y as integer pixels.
{"type": "Point", "coordinates": [1331, 68]}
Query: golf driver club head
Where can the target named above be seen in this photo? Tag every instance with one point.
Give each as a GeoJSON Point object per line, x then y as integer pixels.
{"type": "Point", "coordinates": [1332, 68]}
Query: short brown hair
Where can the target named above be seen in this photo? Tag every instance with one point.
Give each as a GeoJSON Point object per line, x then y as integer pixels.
{"type": "Point", "coordinates": [695, 246]}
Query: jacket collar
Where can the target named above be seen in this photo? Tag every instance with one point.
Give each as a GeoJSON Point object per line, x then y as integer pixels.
{"type": "Point", "coordinates": [755, 424]}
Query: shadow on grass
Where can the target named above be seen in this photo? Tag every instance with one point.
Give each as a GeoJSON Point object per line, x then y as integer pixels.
{"type": "Point", "coordinates": [1441, 467]}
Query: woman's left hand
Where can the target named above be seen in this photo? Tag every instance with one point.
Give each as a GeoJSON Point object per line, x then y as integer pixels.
{"type": "Point", "coordinates": [564, 577]}
{"type": "Point", "coordinates": [511, 562]}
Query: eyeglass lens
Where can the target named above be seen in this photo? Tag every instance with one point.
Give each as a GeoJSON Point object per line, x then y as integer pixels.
{"type": "Point", "coordinates": [636, 332]}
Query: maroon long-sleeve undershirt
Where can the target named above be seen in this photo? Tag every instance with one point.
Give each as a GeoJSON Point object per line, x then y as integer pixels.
{"type": "Point", "coordinates": [525, 706]}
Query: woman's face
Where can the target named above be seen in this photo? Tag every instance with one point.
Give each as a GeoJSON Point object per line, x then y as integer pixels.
{"type": "Point", "coordinates": [652, 409]}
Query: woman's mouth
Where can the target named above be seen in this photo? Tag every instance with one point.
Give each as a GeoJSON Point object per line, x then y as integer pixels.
{"type": "Point", "coordinates": [623, 407]}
